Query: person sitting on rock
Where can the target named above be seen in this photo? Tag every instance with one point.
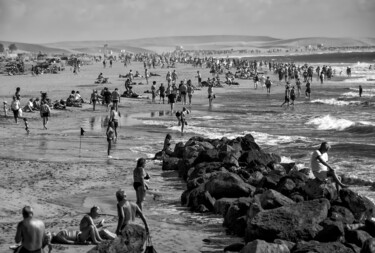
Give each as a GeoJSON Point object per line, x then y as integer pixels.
{"type": "Point", "coordinates": [127, 211]}
{"type": "Point", "coordinates": [320, 167]}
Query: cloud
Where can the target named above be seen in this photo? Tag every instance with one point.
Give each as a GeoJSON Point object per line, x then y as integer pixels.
{"type": "Point", "coordinates": [57, 20]}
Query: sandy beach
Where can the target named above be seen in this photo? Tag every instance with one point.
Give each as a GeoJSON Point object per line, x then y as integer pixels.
{"type": "Point", "coordinates": [61, 178]}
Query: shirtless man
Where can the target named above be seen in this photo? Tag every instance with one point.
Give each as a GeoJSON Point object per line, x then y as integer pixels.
{"type": "Point", "coordinates": [126, 212]}
{"type": "Point", "coordinates": [89, 231]}
{"type": "Point", "coordinates": [30, 232]}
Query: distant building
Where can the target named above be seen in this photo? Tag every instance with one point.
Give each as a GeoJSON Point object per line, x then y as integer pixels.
{"type": "Point", "coordinates": [179, 48]}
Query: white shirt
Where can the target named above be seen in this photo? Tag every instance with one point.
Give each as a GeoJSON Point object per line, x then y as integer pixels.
{"type": "Point", "coordinates": [318, 169]}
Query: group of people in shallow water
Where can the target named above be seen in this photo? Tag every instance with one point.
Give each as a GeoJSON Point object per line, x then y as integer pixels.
{"type": "Point", "coordinates": [31, 234]}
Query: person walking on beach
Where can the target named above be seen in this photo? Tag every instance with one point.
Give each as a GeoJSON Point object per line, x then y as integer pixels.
{"type": "Point", "coordinates": [115, 99]}
{"type": "Point", "coordinates": [360, 90]}
{"type": "Point", "coordinates": [287, 95]}
{"type": "Point", "coordinates": [110, 137]}
{"type": "Point", "coordinates": [256, 81]}
{"type": "Point", "coordinates": [94, 98]}
{"type": "Point", "coordinates": [190, 91]}
{"type": "Point", "coordinates": [30, 232]}
{"type": "Point", "coordinates": [268, 85]}
{"type": "Point", "coordinates": [5, 108]}
{"type": "Point", "coordinates": [146, 75]}
{"type": "Point", "coordinates": [320, 167]}
{"type": "Point", "coordinates": [139, 177]}
{"type": "Point", "coordinates": [153, 91]}
{"type": "Point", "coordinates": [174, 77]}
{"type": "Point", "coordinates": [161, 92]}
{"type": "Point", "coordinates": [211, 95]}
{"type": "Point", "coordinates": [26, 125]}
{"type": "Point", "coordinates": [168, 77]}
{"type": "Point", "coordinates": [183, 92]}
{"type": "Point", "coordinates": [45, 112]}
{"type": "Point", "coordinates": [127, 211]}
{"type": "Point", "coordinates": [292, 95]}
{"type": "Point", "coordinates": [308, 90]}
{"type": "Point", "coordinates": [182, 119]}
{"type": "Point", "coordinates": [199, 76]}
{"type": "Point", "coordinates": [107, 97]}
{"type": "Point", "coordinates": [298, 84]}
{"type": "Point", "coordinates": [321, 77]}
{"type": "Point", "coordinates": [15, 106]}
{"type": "Point", "coordinates": [114, 116]}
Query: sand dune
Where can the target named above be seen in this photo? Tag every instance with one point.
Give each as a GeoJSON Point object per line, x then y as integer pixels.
{"type": "Point", "coordinates": [35, 47]}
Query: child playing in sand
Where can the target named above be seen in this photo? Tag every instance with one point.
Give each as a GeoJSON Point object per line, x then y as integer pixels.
{"type": "Point", "coordinates": [26, 125]}
{"type": "Point", "coordinates": [5, 108]}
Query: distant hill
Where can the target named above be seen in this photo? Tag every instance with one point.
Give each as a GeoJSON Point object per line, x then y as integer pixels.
{"type": "Point", "coordinates": [35, 48]}
{"type": "Point", "coordinates": [211, 42]}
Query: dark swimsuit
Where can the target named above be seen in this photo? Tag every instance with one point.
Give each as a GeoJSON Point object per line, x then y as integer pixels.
{"type": "Point", "coordinates": [23, 250]}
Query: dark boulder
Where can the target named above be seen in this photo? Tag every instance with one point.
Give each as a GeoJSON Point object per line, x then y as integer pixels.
{"type": "Point", "coordinates": [277, 168]}
{"type": "Point", "coordinates": [332, 231]}
{"type": "Point", "coordinates": [210, 155]}
{"type": "Point", "coordinates": [203, 168]}
{"type": "Point", "coordinates": [317, 247]}
{"type": "Point", "coordinates": [272, 199]}
{"type": "Point", "coordinates": [235, 217]}
{"type": "Point", "coordinates": [234, 247]}
{"type": "Point", "coordinates": [361, 207]}
{"type": "Point", "coordinates": [315, 189]}
{"type": "Point", "coordinates": [357, 237]}
{"type": "Point", "coordinates": [255, 178]}
{"type": "Point", "coordinates": [294, 222]}
{"type": "Point", "coordinates": [370, 227]}
{"type": "Point", "coordinates": [258, 157]}
{"type": "Point", "coordinates": [228, 185]}
{"type": "Point", "coordinates": [340, 213]}
{"type": "Point", "coordinates": [222, 205]}
{"type": "Point", "coordinates": [369, 246]}
{"type": "Point", "coordinates": [199, 196]}
{"type": "Point", "coordinates": [260, 246]}
{"type": "Point", "coordinates": [270, 181]}
{"type": "Point", "coordinates": [170, 163]}
{"type": "Point", "coordinates": [286, 186]}
{"type": "Point", "coordinates": [179, 149]}
{"type": "Point", "coordinates": [184, 165]}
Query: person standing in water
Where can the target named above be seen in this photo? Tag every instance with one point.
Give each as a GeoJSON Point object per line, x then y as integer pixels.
{"type": "Point", "coordinates": [360, 90]}
{"type": "Point", "coordinates": [114, 116]}
{"type": "Point", "coordinates": [268, 85]}
{"type": "Point", "coordinates": [287, 95]}
{"type": "Point", "coordinates": [211, 95]}
{"type": "Point", "coordinates": [110, 137]}
{"type": "Point", "coordinates": [308, 90]}
{"type": "Point", "coordinates": [45, 113]}
{"type": "Point", "coordinates": [139, 177]}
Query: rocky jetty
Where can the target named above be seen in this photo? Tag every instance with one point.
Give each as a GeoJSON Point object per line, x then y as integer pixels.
{"type": "Point", "coordinates": [276, 207]}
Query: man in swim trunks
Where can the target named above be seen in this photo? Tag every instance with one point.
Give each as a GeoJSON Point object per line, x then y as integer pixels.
{"type": "Point", "coordinates": [308, 90]}
{"type": "Point", "coordinates": [320, 167]}
{"type": "Point", "coordinates": [88, 230]}
{"type": "Point", "coordinates": [127, 211]}
{"type": "Point", "coordinates": [30, 232]}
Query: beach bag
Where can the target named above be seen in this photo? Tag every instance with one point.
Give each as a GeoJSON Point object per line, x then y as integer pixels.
{"type": "Point", "coordinates": [149, 246]}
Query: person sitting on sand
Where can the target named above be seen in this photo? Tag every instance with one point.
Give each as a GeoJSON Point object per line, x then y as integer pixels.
{"type": "Point", "coordinates": [36, 104]}
{"type": "Point", "coordinates": [29, 107]}
{"type": "Point", "coordinates": [88, 230]}
{"type": "Point", "coordinates": [127, 211]}
{"type": "Point", "coordinates": [320, 167]}
{"type": "Point", "coordinates": [31, 233]}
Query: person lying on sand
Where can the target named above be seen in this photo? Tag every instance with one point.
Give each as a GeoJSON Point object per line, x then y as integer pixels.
{"type": "Point", "coordinates": [73, 237]}
{"type": "Point", "coordinates": [88, 230]}
{"type": "Point", "coordinates": [127, 211]}
{"type": "Point", "coordinates": [320, 167]}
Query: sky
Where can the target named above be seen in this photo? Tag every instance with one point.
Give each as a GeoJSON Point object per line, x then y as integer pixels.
{"type": "Point", "coordinates": [45, 21]}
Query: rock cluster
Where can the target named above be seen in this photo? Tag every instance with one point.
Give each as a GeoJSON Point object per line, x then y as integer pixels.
{"type": "Point", "coordinates": [274, 206]}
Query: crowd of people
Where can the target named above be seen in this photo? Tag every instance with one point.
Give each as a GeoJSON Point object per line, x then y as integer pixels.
{"type": "Point", "coordinates": [31, 232]}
